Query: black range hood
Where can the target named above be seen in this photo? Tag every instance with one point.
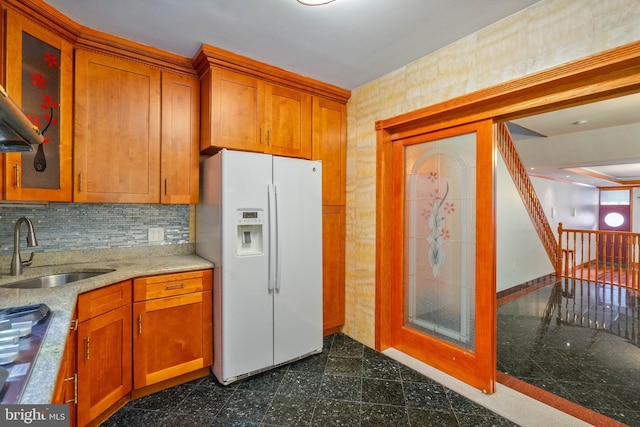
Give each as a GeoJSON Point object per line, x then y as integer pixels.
{"type": "Point", "coordinates": [17, 133]}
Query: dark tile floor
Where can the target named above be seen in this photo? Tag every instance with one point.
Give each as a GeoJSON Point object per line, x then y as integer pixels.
{"type": "Point", "coordinates": [348, 384]}
{"type": "Point", "coordinates": [579, 341]}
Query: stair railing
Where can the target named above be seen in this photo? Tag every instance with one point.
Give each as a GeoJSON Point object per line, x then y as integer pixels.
{"type": "Point", "coordinates": [603, 257]}
{"type": "Point", "coordinates": [527, 193]}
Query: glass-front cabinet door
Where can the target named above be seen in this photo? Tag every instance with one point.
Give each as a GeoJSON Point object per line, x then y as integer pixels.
{"type": "Point", "coordinates": [39, 73]}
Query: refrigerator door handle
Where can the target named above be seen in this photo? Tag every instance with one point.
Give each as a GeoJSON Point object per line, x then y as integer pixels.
{"type": "Point", "coordinates": [277, 240]}
{"type": "Point", "coordinates": [271, 209]}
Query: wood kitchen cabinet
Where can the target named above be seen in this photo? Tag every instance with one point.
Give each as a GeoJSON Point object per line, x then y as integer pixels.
{"type": "Point", "coordinates": [330, 146]}
{"type": "Point", "coordinates": [230, 111]}
{"type": "Point", "coordinates": [39, 78]}
{"type": "Point", "coordinates": [333, 253]}
{"type": "Point", "coordinates": [136, 132]}
{"type": "Point", "coordinates": [287, 122]}
{"type": "Point", "coordinates": [244, 112]}
{"type": "Point", "coordinates": [180, 138]}
{"type": "Point", "coordinates": [66, 391]}
{"type": "Point", "coordinates": [172, 326]}
{"type": "Point", "coordinates": [117, 130]}
{"type": "Point", "coordinates": [103, 350]}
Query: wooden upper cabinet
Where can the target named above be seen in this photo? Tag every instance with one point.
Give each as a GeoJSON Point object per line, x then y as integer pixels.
{"type": "Point", "coordinates": [117, 130]}
{"type": "Point", "coordinates": [39, 78]}
{"type": "Point", "coordinates": [242, 112]}
{"type": "Point", "coordinates": [287, 122]}
{"type": "Point", "coordinates": [230, 111]}
{"type": "Point", "coordinates": [180, 138]}
{"type": "Point", "coordinates": [330, 146]}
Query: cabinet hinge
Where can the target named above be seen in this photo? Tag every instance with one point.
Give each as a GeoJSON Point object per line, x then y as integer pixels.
{"type": "Point", "coordinates": [74, 378]}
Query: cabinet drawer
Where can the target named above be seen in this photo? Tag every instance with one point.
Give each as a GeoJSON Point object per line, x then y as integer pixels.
{"type": "Point", "coordinates": [166, 285]}
{"type": "Point", "coordinates": [103, 300]}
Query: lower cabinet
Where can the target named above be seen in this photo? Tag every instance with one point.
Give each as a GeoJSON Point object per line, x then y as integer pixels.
{"type": "Point", "coordinates": [65, 391]}
{"type": "Point", "coordinates": [103, 349]}
{"type": "Point", "coordinates": [333, 249]}
{"type": "Point", "coordinates": [172, 326]}
{"type": "Point", "coordinates": [131, 335]}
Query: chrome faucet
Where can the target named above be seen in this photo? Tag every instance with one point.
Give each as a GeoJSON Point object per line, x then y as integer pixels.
{"type": "Point", "coordinates": [32, 241]}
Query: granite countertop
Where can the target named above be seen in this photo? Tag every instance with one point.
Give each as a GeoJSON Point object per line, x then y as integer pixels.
{"type": "Point", "coordinates": [62, 300]}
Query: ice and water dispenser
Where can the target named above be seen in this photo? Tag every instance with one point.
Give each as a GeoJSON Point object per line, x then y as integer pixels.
{"type": "Point", "coordinates": [250, 223]}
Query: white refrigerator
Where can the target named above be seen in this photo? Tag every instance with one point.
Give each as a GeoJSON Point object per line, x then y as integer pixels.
{"type": "Point", "coordinates": [260, 222]}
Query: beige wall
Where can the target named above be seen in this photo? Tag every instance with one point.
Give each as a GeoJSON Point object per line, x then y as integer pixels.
{"type": "Point", "coordinates": [545, 35]}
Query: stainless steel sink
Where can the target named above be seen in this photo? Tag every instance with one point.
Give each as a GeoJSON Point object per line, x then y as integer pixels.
{"type": "Point", "coordinates": [52, 280]}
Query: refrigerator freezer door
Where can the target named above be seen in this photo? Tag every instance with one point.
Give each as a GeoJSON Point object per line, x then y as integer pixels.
{"type": "Point", "coordinates": [246, 302]}
{"type": "Point", "coordinates": [298, 289]}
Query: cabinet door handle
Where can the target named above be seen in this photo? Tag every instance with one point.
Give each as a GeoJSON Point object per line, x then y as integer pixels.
{"type": "Point", "coordinates": [74, 325]}
{"type": "Point", "coordinates": [140, 324]}
{"type": "Point", "coordinates": [17, 180]}
{"type": "Point", "coordinates": [87, 347]}
{"type": "Point", "coordinates": [269, 137]}
{"type": "Point", "coordinates": [165, 187]}
{"type": "Point", "coordinates": [174, 286]}
{"type": "Point", "coordinates": [260, 135]}
{"type": "Point", "coordinates": [80, 183]}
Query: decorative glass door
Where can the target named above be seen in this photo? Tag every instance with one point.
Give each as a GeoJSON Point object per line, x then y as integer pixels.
{"type": "Point", "coordinates": [439, 276]}
{"type": "Point", "coordinates": [444, 296]}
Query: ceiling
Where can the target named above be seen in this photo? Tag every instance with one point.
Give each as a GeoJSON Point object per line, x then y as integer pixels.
{"type": "Point", "coordinates": [596, 144]}
{"type": "Point", "coordinates": [348, 43]}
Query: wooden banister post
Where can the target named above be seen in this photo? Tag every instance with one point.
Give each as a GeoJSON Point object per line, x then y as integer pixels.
{"type": "Point", "coordinates": [558, 265]}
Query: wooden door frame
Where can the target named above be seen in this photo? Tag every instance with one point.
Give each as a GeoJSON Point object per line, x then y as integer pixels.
{"type": "Point", "coordinates": [598, 77]}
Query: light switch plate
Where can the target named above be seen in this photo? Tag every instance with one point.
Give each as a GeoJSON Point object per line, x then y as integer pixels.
{"type": "Point", "coordinates": [156, 234]}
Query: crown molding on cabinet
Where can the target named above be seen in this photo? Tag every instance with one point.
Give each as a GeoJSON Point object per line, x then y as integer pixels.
{"type": "Point", "coordinates": [90, 39]}
{"type": "Point", "coordinates": [42, 13]}
{"type": "Point", "coordinates": [209, 56]}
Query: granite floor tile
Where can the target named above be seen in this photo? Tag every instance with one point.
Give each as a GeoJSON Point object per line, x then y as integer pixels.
{"type": "Point", "coordinates": [338, 413]}
{"type": "Point", "coordinates": [583, 346]}
{"type": "Point", "coordinates": [372, 415]}
{"type": "Point", "coordinates": [382, 391]}
{"type": "Point", "coordinates": [128, 416]}
{"type": "Point", "coordinates": [344, 346]}
{"type": "Point", "coordinates": [341, 387]}
{"type": "Point", "coordinates": [203, 401]}
{"type": "Point", "coordinates": [426, 396]}
{"type": "Point", "coordinates": [221, 422]}
{"type": "Point", "coordinates": [182, 420]}
{"type": "Point", "coordinates": [166, 400]}
{"type": "Point", "coordinates": [296, 383]}
{"type": "Point", "coordinates": [431, 418]}
{"type": "Point", "coordinates": [246, 405]}
{"type": "Point", "coordinates": [346, 385]}
{"type": "Point", "coordinates": [376, 365]}
{"type": "Point", "coordinates": [350, 366]}
{"type": "Point", "coordinates": [268, 381]}
{"type": "Point", "coordinates": [290, 411]}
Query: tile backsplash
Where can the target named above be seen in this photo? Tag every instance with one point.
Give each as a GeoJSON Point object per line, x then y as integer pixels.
{"type": "Point", "coordinates": [75, 226]}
